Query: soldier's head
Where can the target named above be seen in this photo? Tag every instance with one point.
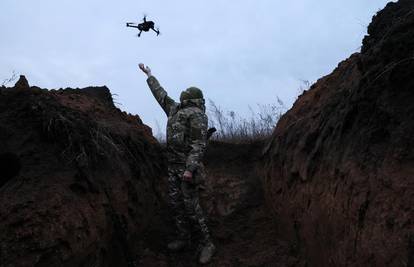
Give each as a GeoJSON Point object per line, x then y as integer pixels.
{"type": "Point", "coordinates": [191, 93]}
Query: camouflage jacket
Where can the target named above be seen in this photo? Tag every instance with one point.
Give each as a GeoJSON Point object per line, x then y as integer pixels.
{"type": "Point", "coordinates": [186, 127]}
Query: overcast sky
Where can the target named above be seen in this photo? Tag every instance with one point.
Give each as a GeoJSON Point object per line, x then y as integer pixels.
{"type": "Point", "coordinates": [239, 53]}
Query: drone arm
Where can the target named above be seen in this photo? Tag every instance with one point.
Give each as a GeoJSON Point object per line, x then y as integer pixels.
{"type": "Point", "coordinates": [132, 26]}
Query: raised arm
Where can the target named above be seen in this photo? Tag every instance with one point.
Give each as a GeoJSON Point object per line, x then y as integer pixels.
{"type": "Point", "coordinates": [159, 93]}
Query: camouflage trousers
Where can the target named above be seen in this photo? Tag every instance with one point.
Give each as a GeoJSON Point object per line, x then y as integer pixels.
{"type": "Point", "coordinates": [185, 204]}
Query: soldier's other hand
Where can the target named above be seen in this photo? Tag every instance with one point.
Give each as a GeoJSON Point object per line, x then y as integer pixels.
{"type": "Point", "coordinates": [188, 176]}
{"type": "Point", "coordinates": [146, 69]}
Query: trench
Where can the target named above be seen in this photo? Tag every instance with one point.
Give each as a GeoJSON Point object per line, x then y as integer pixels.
{"type": "Point", "coordinates": [243, 229]}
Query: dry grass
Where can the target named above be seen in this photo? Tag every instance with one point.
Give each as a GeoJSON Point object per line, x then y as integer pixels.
{"type": "Point", "coordinates": [9, 80]}
{"type": "Point", "coordinates": [82, 139]}
{"type": "Point", "coordinates": [234, 128]}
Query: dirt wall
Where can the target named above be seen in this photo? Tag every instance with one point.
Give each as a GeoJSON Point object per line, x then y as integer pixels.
{"type": "Point", "coordinates": [340, 164]}
{"type": "Point", "coordinates": [80, 180]}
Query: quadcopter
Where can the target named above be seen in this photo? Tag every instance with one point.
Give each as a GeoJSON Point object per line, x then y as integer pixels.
{"type": "Point", "coordinates": [144, 26]}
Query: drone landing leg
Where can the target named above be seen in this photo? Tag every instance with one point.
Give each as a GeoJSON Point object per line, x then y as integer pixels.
{"type": "Point", "coordinates": [158, 32]}
{"type": "Point", "coordinates": [139, 34]}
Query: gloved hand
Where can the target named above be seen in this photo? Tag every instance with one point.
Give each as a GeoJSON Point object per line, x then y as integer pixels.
{"type": "Point", "coordinates": [146, 69]}
{"type": "Point", "coordinates": [188, 176]}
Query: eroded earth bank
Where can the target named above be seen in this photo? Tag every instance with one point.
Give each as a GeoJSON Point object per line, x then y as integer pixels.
{"type": "Point", "coordinates": [340, 165]}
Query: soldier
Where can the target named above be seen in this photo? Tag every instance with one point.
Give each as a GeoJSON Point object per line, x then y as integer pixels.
{"type": "Point", "coordinates": [186, 142]}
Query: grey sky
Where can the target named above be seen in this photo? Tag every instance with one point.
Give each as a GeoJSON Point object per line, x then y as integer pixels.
{"type": "Point", "coordinates": [239, 52]}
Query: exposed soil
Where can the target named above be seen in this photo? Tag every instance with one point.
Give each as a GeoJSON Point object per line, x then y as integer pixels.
{"type": "Point", "coordinates": [79, 178]}
{"type": "Point", "coordinates": [340, 165]}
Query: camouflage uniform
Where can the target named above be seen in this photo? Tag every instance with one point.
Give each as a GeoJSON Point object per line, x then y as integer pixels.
{"type": "Point", "coordinates": [186, 143]}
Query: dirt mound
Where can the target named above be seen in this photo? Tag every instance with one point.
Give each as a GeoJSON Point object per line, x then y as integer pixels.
{"type": "Point", "coordinates": [340, 165]}
{"type": "Point", "coordinates": [80, 180]}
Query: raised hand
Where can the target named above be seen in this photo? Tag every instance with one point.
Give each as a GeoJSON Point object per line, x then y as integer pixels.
{"type": "Point", "coordinates": [145, 69]}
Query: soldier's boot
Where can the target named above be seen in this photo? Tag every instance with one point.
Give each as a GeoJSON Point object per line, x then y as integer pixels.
{"type": "Point", "coordinates": [207, 252]}
{"type": "Point", "coordinates": [177, 245]}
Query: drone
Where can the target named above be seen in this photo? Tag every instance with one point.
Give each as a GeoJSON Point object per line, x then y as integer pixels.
{"type": "Point", "coordinates": [144, 26]}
